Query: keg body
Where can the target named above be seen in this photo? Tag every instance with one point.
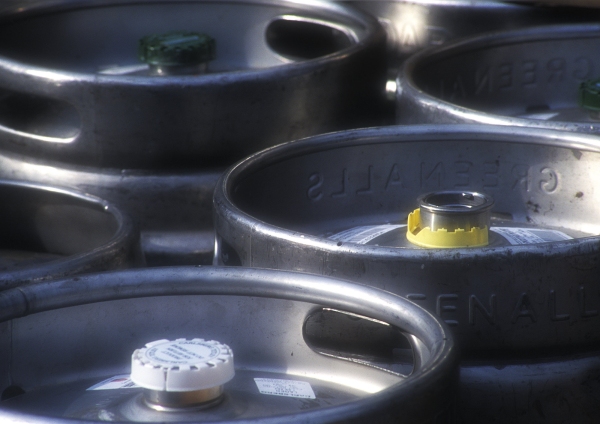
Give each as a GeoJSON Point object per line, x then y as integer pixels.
{"type": "Point", "coordinates": [50, 233]}
{"type": "Point", "coordinates": [526, 78]}
{"type": "Point", "coordinates": [220, 303]}
{"type": "Point", "coordinates": [65, 101]}
{"type": "Point", "coordinates": [505, 302]}
{"type": "Point", "coordinates": [72, 113]}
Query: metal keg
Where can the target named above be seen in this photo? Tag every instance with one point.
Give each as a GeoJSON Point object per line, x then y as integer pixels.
{"type": "Point", "coordinates": [525, 78]}
{"type": "Point", "coordinates": [523, 298]}
{"type": "Point", "coordinates": [49, 233]}
{"type": "Point", "coordinates": [77, 350]}
{"type": "Point", "coordinates": [79, 109]}
{"type": "Point", "coordinates": [72, 89]}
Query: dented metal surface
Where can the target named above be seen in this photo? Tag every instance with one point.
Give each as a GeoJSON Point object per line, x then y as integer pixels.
{"type": "Point", "coordinates": [525, 78]}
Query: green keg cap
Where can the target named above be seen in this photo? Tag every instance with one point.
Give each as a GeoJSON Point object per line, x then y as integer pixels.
{"type": "Point", "coordinates": [177, 48]}
{"type": "Point", "coordinates": [589, 94]}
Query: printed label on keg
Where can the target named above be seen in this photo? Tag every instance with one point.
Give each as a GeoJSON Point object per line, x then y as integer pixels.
{"type": "Point", "coordinates": [122, 381]}
{"type": "Point", "coordinates": [363, 235]}
{"type": "Point", "coordinates": [289, 388]}
{"type": "Point", "coordinates": [529, 235]}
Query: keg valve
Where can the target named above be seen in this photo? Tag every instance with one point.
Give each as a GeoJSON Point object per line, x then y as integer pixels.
{"type": "Point", "coordinates": [177, 53]}
{"type": "Point", "coordinates": [182, 373]}
{"type": "Point", "coordinates": [589, 97]}
{"type": "Point", "coordinates": [447, 219]}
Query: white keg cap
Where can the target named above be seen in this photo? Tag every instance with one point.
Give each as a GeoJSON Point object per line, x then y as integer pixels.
{"type": "Point", "coordinates": [182, 365]}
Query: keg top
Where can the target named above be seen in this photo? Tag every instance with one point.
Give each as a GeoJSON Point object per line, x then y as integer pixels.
{"type": "Point", "coordinates": [589, 94]}
{"type": "Point", "coordinates": [182, 365]}
{"type": "Point", "coordinates": [177, 48]}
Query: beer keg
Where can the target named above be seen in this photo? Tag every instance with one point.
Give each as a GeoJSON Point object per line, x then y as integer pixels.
{"type": "Point", "coordinates": [78, 105]}
{"type": "Point", "coordinates": [492, 228]}
{"type": "Point", "coordinates": [525, 78]}
{"type": "Point", "coordinates": [129, 346]}
{"type": "Point", "coordinates": [49, 233]}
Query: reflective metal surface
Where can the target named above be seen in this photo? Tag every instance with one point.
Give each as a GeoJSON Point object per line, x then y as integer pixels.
{"type": "Point", "coordinates": [526, 78]}
{"type": "Point", "coordinates": [48, 233]}
{"type": "Point", "coordinates": [79, 332]}
{"type": "Point", "coordinates": [528, 299]}
{"type": "Point", "coordinates": [284, 70]}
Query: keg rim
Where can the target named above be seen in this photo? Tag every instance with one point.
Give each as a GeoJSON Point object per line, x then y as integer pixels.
{"type": "Point", "coordinates": [121, 240]}
{"type": "Point", "coordinates": [440, 368]}
{"type": "Point", "coordinates": [373, 32]}
{"type": "Point", "coordinates": [225, 206]}
{"type": "Point", "coordinates": [408, 88]}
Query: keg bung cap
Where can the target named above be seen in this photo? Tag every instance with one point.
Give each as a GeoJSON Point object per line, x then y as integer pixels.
{"type": "Point", "coordinates": [589, 95]}
{"type": "Point", "coordinates": [177, 49]}
{"type": "Point", "coordinates": [182, 365]}
{"type": "Point", "coordinates": [450, 219]}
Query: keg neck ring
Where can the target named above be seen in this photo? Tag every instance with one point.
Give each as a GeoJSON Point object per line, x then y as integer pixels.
{"type": "Point", "coordinates": [160, 400]}
{"type": "Point", "coordinates": [455, 209]}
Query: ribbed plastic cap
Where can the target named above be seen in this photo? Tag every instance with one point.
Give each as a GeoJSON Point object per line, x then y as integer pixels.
{"type": "Point", "coordinates": [179, 48]}
{"type": "Point", "coordinates": [182, 365]}
{"type": "Point", "coordinates": [589, 94]}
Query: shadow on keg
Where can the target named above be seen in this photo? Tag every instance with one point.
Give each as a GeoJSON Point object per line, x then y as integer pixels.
{"type": "Point", "coordinates": [39, 117]}
{"type": "Point", "coordinates": [298, 38]}
{"type": "Point", "coordinates": [360, 339]}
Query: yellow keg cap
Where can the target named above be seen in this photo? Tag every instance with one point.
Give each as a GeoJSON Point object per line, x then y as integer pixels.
{"type": "Point", "coordinates": [450, 219]}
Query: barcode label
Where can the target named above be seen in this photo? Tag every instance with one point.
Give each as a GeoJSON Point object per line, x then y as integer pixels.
{"type": "Point", "coordinates": [529, 235]}
{"type": "Point", "coordinates": [364, 234]}
{"type": "Point", "coordinates": [288, 388]}
{"type": "Point", "coordinates": [117, 382]}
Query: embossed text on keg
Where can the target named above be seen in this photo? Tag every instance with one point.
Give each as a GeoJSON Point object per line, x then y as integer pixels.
{"type": "Point", "coordinates": [515, 75]}
{"type": "Point", "coordinates": [524, 308]}
{"type": "Point", "coordinates": [368, 179]}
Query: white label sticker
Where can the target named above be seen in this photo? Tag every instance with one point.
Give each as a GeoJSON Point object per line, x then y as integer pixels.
{"type": "Point", "coordinates": [117, 382]}
{"type": "Point", "coordinates": [363, 235]}
{"type": "Point", "coordinates": [529, 235]}
{"type": "Point", "coordinates": [289, 388]}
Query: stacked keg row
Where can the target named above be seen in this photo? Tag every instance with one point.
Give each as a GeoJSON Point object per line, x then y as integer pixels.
{"type": "Point", "coordinates": [345, 269]}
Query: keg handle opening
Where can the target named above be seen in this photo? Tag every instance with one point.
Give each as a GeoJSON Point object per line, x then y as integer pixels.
{"type": "Point", "coordinates": [301, 38]}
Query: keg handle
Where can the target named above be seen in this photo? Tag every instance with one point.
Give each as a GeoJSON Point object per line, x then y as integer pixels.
{"type": "Point", "coordinates": [431, 339]}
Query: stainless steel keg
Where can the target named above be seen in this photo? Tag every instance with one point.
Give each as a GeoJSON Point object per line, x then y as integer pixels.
{"type": "Point", "coordinates": [79, 109]}
{"type": "Point", "coordinates": [69, 345]}
{"type": "Point", "coordinates": [525, 78]}
{"type": "Point", "coordinates": [49, 233]}
{"type": "Point", "coordinates": [341, 204]}
{"type": "Point", "coordinates": [283, 70]}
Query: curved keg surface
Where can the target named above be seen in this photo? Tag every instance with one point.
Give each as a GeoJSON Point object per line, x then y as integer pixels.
{"type": "Point", "coordinates": [79, 333]}
{"type": "Point", "coordinates": [283, 70]}
{"type": "Point", "coordinates": [49, 233]}
{"type": "Point", "coordinates": [509, 305]}
{"type": "Point", "coordinates": [414, 25]}
{"type": "Point", "coordinates": [527, 78]}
